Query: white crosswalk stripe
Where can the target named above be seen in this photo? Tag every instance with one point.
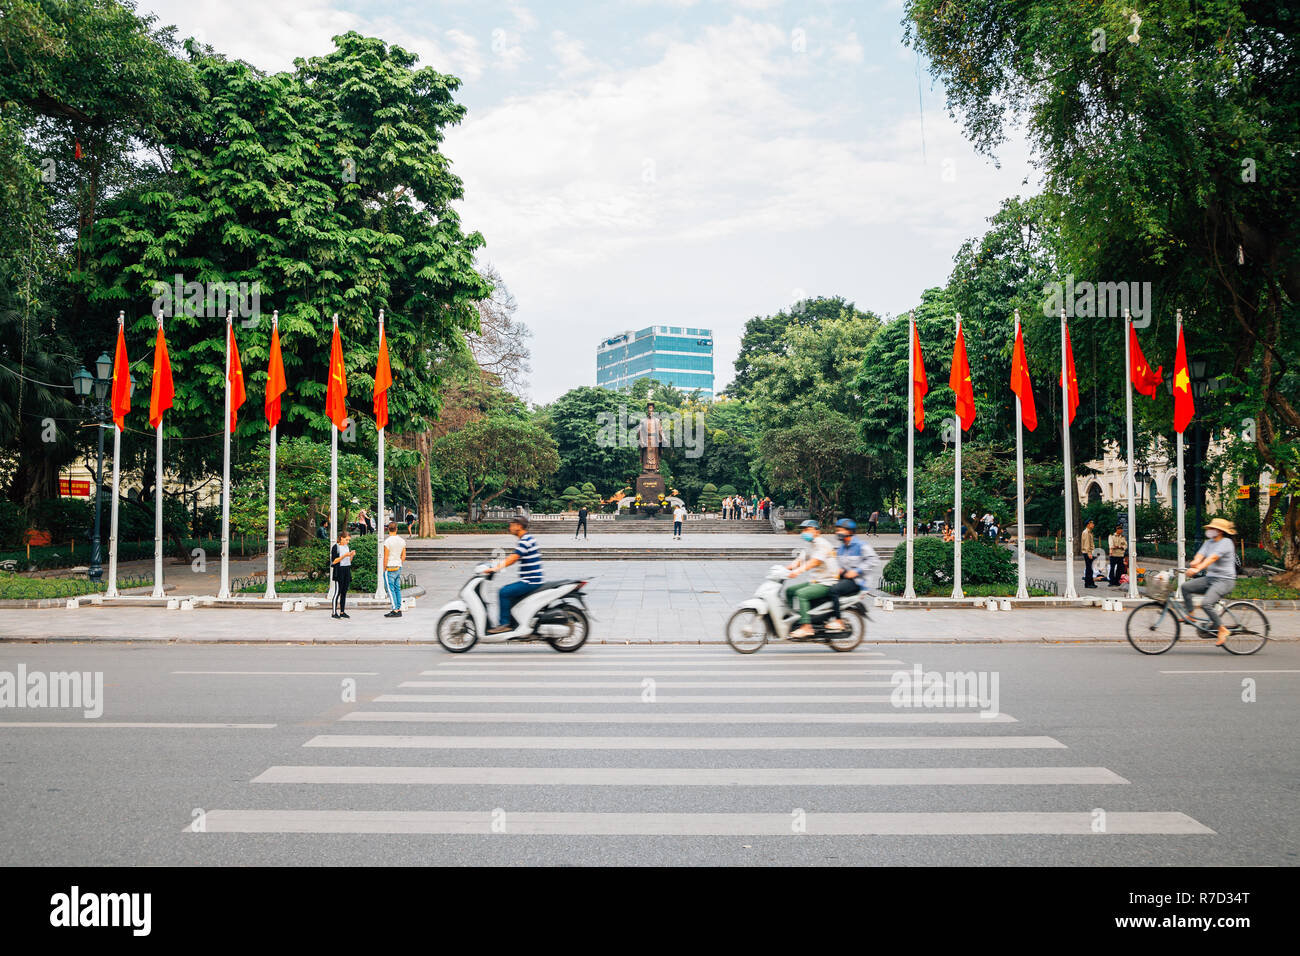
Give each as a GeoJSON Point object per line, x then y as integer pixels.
{"type": "Point", "coordinates": [754, 737]}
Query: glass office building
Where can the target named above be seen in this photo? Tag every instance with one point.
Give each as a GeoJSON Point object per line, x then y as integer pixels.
{"type": "Point", "coordinates": [676, 356]}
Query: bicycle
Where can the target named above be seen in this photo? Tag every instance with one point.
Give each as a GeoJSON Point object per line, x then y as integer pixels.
{"type": "Point", "coordinates": [1154, 627]}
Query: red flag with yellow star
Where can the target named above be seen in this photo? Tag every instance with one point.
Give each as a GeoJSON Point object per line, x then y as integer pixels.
{"type": "Point", "coordinates": [1071, 378]}
{"type": "Point", "coordinates": [275, 383]}
{"type": "Point", "coordinates": [1020, 383]}
{"type": "Point", "coordinates": [959, 381]}
{"type": "Point", "coordinates": [919, 384]}
{"type": "Point", "coordinates": [383, 381]}
{"type": "Point", "coordinates": [1184, 407]}
{"type": "Point", "coordinates": [336, 392]}
{"type": "Point", "coordinates": [162, 393]}
{"type": "Point", "coordinates": [236, 377]}
{"type": "Point", "coordinates": [121, 396]}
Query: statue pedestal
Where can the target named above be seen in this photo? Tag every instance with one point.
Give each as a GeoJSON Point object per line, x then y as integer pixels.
{"type": "Point", "coordinates": [650, 486]}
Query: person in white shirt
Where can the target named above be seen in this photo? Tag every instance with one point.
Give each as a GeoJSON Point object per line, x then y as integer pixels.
{"type": "Point", "coordinates": [823, 566]}
{"type": "Point", "coordinates": [394, 555]}
{"type": "Point", "coordinates": [679, 516]}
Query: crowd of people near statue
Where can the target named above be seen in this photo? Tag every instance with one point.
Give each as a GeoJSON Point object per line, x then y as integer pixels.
{"type": "Point", "coordinates": [740, 508]}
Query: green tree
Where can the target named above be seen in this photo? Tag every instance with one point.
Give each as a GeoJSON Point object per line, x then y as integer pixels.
{"type": "Point", "coordinates": [497, 453]}
{"type": "Point", "coordinates": [1169, 160]}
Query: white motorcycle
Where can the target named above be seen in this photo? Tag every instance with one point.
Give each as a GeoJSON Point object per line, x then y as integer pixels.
{"type": "Point", "coordinates": [555, 613]}
{"type": "Point", "coordinates": [766, 616]}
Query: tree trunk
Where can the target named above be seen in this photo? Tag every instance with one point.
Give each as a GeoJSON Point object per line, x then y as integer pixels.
{"type": "Point", "coordinates": [424, 486]}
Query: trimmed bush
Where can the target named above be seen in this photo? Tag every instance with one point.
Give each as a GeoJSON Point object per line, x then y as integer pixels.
{"type": "Point", "coordinates": [64, 518]}
{"type": "Point", "coordinates": [982, 563]}
{"type": "Point", "coordinates": [12, 525]}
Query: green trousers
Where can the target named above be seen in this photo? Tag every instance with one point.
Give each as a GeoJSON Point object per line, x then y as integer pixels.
{"type": "Point", "coordinates": [804, 595]}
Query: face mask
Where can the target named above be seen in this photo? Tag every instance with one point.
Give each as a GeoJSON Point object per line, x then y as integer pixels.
{"type": "Point", "coordinates": [807, 536]}
{"type": "Point", "coordinates": [1212, 534]}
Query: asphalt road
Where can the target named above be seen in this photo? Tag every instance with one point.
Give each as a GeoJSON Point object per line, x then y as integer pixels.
{"type": "Point", "coordinates": [519, 755]}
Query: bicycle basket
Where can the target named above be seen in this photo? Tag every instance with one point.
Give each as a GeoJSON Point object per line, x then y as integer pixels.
{"type": "Point", "coordinates": [1160, 586]}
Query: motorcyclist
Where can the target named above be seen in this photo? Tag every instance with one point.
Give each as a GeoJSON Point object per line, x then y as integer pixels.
{"type": "Point", "coordinates": [857, 559]}
{"type": "Point", "coordinates": [823, 569]}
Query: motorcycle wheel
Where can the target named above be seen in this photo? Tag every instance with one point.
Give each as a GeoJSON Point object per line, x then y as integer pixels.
{"type": "Point", "coordinates": [579, 628]}
{"type": "Point", "coordinates": [847, 640]}
{"type": "Point", "coordinates": [747, 630]}
{"type": "Point", "coordinates": [456, 632]}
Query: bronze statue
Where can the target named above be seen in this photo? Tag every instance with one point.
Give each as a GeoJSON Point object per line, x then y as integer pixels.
{"type": "Point", "coordinates": [650, 435]}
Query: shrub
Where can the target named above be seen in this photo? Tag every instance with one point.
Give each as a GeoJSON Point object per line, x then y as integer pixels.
{"type": "Point", "coordinates": [12, 525]}
{"type": "Point", "coordinates": [709, 499]}
{"type": "Point", "coordinates": [726, 490]}
{"type": "Point", "coordinates": [14, 587]}
{"type": "Point", "coordinates": [63, 518]}
{"type": "Point", "coordinates": [313, 560]}
{"type": "Point", "coordinates": [982, 563]}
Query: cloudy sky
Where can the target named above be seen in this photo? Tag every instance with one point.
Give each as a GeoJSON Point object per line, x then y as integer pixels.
{"type": "Point", "coordinates": [683, 162]}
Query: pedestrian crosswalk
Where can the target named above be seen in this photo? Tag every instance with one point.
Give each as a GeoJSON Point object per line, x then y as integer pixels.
{"type": "Point", "coordinates": [681, 741]}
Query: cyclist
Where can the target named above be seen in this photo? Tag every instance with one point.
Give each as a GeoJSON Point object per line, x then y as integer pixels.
{"type": "Point", "coordinates": [819, 560]}
{"type": "Point", "coordinates": [1216, 563]}
{"type": "Point", "coordinates": [856, 559]}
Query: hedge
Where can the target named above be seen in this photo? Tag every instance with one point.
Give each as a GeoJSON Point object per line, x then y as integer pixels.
{"type": "Point", "coordinates": [982, 562]}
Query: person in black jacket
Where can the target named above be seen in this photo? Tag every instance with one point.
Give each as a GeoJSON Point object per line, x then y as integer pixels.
{"type": "Point", "coordinates": [582, 523]}
{"type": "Point", "coordinates": [341, 568]}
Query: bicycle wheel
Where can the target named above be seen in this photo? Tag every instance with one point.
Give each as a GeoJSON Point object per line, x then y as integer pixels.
{"type": "Point", "coordinates": [1152, 628]}
{"type": "Point", "coordinates": [1248, 627]}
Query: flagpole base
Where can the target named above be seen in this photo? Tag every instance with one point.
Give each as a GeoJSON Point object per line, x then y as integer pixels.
{"type": "Point", "coordinates": [1070, 592]}
{"type": "Point", "coordinates": [223, 594]}
{"type": "Point", "coordinates": [1022, 594]}
{"type": "Point", "coordinates": [270, 595]}
{"type": "Point", "coordinates": [909, 595]}
{"type": "Point", "coordinates": [958, 594]}
{"type": "Point", "coordinates": [158, 591]}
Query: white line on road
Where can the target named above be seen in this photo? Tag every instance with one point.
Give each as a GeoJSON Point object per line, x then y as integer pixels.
{"type": "Point", "coordinates": [633, 683]}
{"type": "Point", "coordinates": [415, 742]}
{"type": "Point", "coordinates": [632, 699]}
{"type": "Point", "coordinates": [286, 673]}
{"type": "Point", "coordinates": [731, 662]}
{"type": "Point", "coordinates": [634, 674]}
{"type": "Point", "coordinates": [970, 823]}
{"type": "Point", "coordinates": [692, 776]}
{"type": "Point", "coordinates": [765, 717]}
{"type": "Point", "coordinates": [137, 725]}
{"type": "Point", "coordinates": [1235, 670]}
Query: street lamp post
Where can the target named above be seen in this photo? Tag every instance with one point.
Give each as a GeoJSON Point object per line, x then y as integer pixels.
{"type": "Point", "coordinates": [1143, 478]}
{"type": "Point", "coordinates": [83, 383]}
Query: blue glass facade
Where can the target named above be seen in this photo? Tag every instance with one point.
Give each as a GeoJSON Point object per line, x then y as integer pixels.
{"type": "Point", "coordinates": [675, 355]}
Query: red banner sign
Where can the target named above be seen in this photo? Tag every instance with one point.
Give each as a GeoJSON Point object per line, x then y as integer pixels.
{"type": "Point", "coordinates": [74, 489]}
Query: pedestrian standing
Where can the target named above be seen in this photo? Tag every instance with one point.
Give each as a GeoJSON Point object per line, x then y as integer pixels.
{"type": "Point", "coordinates": [873, 523]}
{"type": "Point", "coordinates": [1118, 549]}
{"type": "Point", "coordinates": [679, 517]}
{"type": "Point", "coordinates": [341, 570]}
{"type": "Point", "coordinates": [394, 556]}
{"type": "Point", "coordinates": [582, 523]}
{"type": "Point", "coordinates": [1088, 547]}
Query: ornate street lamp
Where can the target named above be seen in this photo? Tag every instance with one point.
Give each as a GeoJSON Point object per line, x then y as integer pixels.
{"type": "Point", "coordinates": [83, 383]}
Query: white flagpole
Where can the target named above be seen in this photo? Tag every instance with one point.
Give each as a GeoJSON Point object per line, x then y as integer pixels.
{"type": "Point", "coordinates": [270, 594]}
{"type": "Point", "coordinates": [334, 478]}
{"type": "Point", "coordinates": [959, 527]}
{"type": "Point", "coordinates": [909, 591]}
{"type": "Point", "coordinates": [1070, 591]}
{"type": "Point", "coordinates": [111, 590]}
{"type": "Point", "coordinates": [1180, 504]}
{"type": "Point", "coordinates": [380, 591]}
{"type": "Point", "coordinates": [223, 592]}
{"type": "Point", "coordinates": [1132, 480]}
{"type": "Point", "coordinates": [1022, 587]}
{"type": "Point", "coordinates": [158, 589]}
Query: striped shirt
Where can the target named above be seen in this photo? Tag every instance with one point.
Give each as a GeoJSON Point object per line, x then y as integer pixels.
{"type": "Point", "coordinates": [530, 559]}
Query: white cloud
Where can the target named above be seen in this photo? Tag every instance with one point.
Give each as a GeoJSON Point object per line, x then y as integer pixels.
{"type": "Point", "coordinates": [848, 49]}
{"type": "Point", "coordinates": [570, 53]}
